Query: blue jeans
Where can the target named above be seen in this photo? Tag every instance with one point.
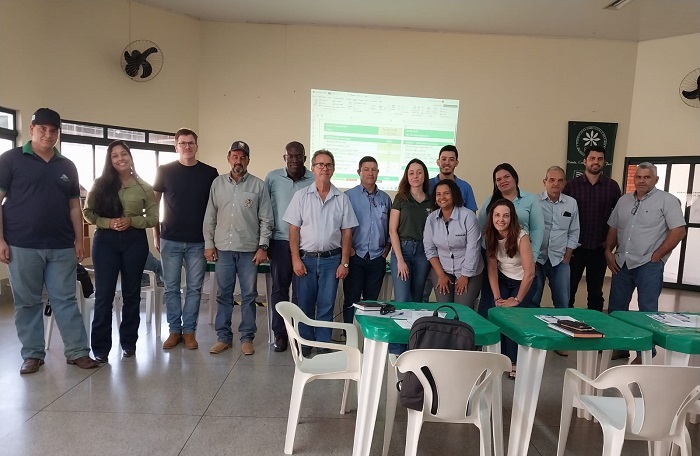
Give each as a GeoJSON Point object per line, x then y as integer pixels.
{"type": "Point", "coordinates": [31, 270]}
{"type": "Point", "coordinates": [182, 318]}
{"type": "Point", "coordinates": [228, 266]}
{"type": "Point", "coordinates": [115, 253]}
{"type": "Point", "coordinates": [282, 276]}
{"type": "Point", "coordinates": [559, 282]}
{"type": "Point", "coordinates": [316, 291]}
{"type": "Point", "coordinates": [410, 290]}
{"type": "Point", "coordinates": [648, 279]}
{"type": "Point", "coordinates": [364, 281]}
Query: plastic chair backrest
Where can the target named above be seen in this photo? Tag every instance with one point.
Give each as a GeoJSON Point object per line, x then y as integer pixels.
{"type": "Point", "coordinates": [458, 375]}
{"type": "Point", "coordinates": [667, 394]}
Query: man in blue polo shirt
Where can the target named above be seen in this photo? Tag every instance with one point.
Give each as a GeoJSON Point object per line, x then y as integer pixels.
{"type": "Point", "coordinates": [41, 241]}
{"type": "Point", "coordinates": [370, 239]}
{"type": "Point", "coordinates": [448, 159]}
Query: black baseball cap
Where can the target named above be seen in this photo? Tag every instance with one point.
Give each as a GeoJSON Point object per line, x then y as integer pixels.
{"type": "Point", "coordinates": [240, 145]}
{"type": "Point", "coordinates": [46, 116]}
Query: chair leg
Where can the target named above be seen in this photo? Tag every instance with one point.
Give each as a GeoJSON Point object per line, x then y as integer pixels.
{"type": "Point", "coordinates": [346, 393]}
{"type": "Point", "coordinates": [392, 396]}
{"type": "Point", "coordinates": [294, 407]}
{"type": "Point", "coordinates": [149, 306]}
{"type": "Point", "coordinates": [158, 309]}
{"type": "Point", "coordinates": [613, 439]}
{"type": "Point", "coordinates": [484, 424]}
{"type": "Point", "coordinates": [415, 423]}
{"type": "Point", "coordinates": [48, 330]}
{"type": "Point", "coordinates": [567, 408]}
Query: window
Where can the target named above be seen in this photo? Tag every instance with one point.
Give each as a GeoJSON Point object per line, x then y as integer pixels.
{"type": "Point", "coordinates": [680, 176]}
{"type": "Point", "coordinates": [86, 145]}
{"type": "Point", "coordinates": [8, 129]}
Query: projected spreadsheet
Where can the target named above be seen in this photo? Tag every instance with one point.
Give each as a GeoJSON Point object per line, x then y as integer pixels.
{"type": "Point", "coordinates": [391, 129]}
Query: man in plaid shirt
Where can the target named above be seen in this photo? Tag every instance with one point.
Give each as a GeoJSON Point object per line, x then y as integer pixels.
{"type": "Point", "coordinates": [596, 196]}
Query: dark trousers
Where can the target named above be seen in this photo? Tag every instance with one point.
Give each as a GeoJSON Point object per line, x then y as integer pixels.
{"type": "Point", "coordinates": [114, 253]}
{"type": "Point", "coordinates": [509, 288]}
{"type": "Point", "coordinates": [593, 261]}
{"type": "Point", "coordinates": [282, 278]}
{"type": "Point", "coordinates": [364, 282]}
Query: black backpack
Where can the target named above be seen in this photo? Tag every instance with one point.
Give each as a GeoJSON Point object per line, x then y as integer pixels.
{"type": "Point", "coordinates": [437, 333]}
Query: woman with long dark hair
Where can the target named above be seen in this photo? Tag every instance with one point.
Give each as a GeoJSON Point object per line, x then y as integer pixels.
{"type": "Point", "coordinates": [409, 266]}
{"type": "Point", "coordinates": [122, 206]}
{"type": "Point", "coordinates": [510, 264]}
{"type": "Point", "coordinates": [529, 211]}
{"type": "Point", "coordinates": [452, 240]}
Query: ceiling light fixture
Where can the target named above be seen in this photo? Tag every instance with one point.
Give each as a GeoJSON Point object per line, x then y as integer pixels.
{"type": "Point", "coordinates": [617, 4]}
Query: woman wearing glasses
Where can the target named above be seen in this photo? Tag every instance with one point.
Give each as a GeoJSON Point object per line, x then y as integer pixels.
{"type": "Point", "coordinates": [409, 265]}
{"type": "Point", "coordinates": [122, 206]}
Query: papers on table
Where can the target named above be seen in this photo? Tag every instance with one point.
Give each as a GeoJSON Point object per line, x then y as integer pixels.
{"type": "Point", "coordinates": [677, 319]}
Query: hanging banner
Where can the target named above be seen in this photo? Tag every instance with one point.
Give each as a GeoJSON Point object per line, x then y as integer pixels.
{"type": "Point", "coordinates": [583, 135]}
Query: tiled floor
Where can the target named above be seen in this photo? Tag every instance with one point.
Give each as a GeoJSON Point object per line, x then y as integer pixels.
{"type": "Point", "coordinates": [181, 402]}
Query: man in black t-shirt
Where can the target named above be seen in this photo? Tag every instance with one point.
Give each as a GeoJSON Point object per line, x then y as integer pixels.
{"type": "Point", "coordinates": [185, 185]}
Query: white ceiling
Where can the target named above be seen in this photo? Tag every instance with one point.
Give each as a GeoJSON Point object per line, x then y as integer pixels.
{"type": "Point", "coordinates": [639, 20]}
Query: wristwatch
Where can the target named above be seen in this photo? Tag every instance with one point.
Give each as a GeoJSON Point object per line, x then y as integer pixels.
{"type": "Point", "coordinates": [262, 247]}
{"type": "Point", "coordinates": [346, 265]}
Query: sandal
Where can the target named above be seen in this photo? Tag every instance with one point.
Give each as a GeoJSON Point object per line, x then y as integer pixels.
{"type": "Point", "coordinates": [511, 375]}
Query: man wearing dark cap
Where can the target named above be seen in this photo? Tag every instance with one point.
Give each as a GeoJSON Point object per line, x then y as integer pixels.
{"type": "Point", "coordinates": [41, 241]}
{"type": "Point", "coordinates": [237, 227]}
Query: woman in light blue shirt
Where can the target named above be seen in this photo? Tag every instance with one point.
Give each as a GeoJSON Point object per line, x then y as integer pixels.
{"type": "Point", "coordinates": [505, 186]}
{"type": "Point", "coordinates": [452, 241]}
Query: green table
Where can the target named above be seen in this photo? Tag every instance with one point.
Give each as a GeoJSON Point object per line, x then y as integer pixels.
{"type": "Point", "coordinates": [386, 330]}
{"type": "Point", "coordinates": [534, 338]}
{"type": "Point", "coordinates": [378, 333]}
{"type": "Point", "coordinates": [679, 343]}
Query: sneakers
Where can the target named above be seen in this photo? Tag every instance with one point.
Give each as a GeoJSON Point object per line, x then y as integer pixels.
{"type": "Point", "coordinates": [281, 343]}
{"type": "Point", "coordinates": [190, 341]}
{"type": "Point", "coordinates": [172, 341]}
{"type": "Point", "coordinates": [247, 347]}
{"type": "Point", "coordinates": [219, 347]}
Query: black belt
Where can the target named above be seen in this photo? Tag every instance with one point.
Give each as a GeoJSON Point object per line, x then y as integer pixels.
{"type": "Point", "coordinates": [326, 254]}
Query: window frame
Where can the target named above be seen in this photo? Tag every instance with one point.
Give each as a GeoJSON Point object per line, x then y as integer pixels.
{"type": "Point", "coordinates": [12, 133]}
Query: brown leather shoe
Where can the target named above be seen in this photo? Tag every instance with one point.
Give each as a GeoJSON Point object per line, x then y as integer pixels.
{"type": "Point", "coordinates": [247, 347]}
{"type": "Point", "coordinates": [172, 341]}
{"type": "Point", "coordinates": [190, 341]}
{"type": "Point", "coordinates": [84, 362]}
{"type": "Point", "coordinates": [30, 366]}
{"type": "Point", "coordinates": [219, 347]}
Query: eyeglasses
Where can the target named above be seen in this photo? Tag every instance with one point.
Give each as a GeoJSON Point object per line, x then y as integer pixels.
{"type": "Point", "coordinates": [189, 144]}
{"type": "Point", "coordinates": [290, 157]}
{"type": "Point", "coordinates": [324, 165]}
{"type": "Point", "coordinates": [636, 206]}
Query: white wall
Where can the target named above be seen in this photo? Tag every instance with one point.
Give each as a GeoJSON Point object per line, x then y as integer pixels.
{"type": "Point", "coordinates": [661, 124]}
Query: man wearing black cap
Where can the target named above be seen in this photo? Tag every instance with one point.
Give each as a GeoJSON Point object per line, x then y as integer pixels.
{"type": "Point", "coordinates": [237, 227]}
{"type": "Point", "coordinates": [41, 241]}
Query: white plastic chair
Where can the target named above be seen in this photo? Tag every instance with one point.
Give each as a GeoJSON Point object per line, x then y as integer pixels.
{"type": "Point", "coordinates": [345, 363]}
{"type": "Point", "coordinates": [86, 305]}
{"type": "Point", "coordinates": [463, 382]}
{"type": "Point", "coordinates": [667, 394]}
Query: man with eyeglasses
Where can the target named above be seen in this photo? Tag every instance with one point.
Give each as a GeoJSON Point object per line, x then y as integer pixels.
{"type": "Point", "coordinates": [282, 184]}
{"type": "Point", "coordinates": [320, 220]}
{"type": "Point", "coordinates": [645, 227]}
{"type": "Point", "coordinates": [237, 228]}
{"type": "Point", "coordinates": [370, 239]}
{"type": "Point", "coordinates": [595, 195]}
{"type": "Point", "coordinates": [184, 186]}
